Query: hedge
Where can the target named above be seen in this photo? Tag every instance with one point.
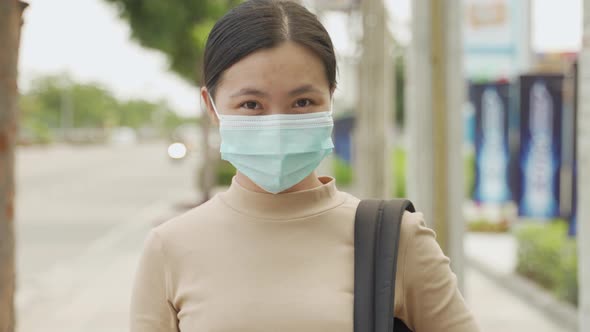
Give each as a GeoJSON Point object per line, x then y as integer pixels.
{"type": "Point", "coordinates": [224, 173]}
{"type": "Point", "coordinates": [547, 256]}
{"type": "Point", "coordinates": [344, 174]}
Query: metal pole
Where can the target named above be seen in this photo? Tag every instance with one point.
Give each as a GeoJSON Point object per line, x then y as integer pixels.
{"type": "Point", "coordinates": [374, 112]}
{"type": "Point", "coordinates": [583, 217]}
{"type": "Point", "coordinates": [66, 112]}
{"type": "Point", "coordinates": [435, 99]}
{"type": "Point", "coordinates": [455, 90]}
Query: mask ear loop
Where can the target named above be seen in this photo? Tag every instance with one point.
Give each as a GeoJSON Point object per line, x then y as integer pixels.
{"type": "Point", "coordinates": [331, 112]}
{"type": "Point", "coordinates": [214, 107]}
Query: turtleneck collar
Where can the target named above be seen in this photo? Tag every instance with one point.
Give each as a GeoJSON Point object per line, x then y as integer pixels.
{"type": "Point", "coordinates": [283, 207]}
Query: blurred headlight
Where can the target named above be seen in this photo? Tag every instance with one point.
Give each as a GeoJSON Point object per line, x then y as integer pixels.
{"type": "Point", "coordinates": [177, 151]}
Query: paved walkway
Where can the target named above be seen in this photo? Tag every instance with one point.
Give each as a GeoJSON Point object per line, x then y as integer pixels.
{"type": "Point", "coordinates": [91, 294]}
{"type": "Point", "coordinates": [528, 305]}
{"type": "Point", "coordinates": [497, 310]}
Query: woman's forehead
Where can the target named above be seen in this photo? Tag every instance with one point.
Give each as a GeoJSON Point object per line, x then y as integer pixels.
{"type": "Point", "coordinates": [282, 68]}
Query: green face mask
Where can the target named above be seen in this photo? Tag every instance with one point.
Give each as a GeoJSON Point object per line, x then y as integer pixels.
{"type": "Point", "coordinates": [276, 151]}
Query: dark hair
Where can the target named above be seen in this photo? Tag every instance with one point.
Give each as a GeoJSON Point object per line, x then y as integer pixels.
{"type": "Point", "coordinates": [263, 24]}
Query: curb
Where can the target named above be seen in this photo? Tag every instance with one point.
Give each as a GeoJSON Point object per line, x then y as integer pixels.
{"type": "Point", "coordinates": [539, 298]}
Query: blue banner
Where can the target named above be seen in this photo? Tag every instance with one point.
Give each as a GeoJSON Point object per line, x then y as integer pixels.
{"type": "Point", "coordinates": [491, 103]}
{"type": "Point", "coordinates": [342, 135]}
{"type": "Point", "coordinates": [540, 146]}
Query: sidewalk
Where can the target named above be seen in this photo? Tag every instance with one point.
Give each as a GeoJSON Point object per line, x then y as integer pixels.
{"type": "Point", "coordinates": [92, 293]}
{"type": "Point", "coordinates": [497, 310]}
{"type": "Point", "coordinates": [509, 302]}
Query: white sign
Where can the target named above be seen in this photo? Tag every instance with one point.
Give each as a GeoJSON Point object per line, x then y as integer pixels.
{"type": "Point", "coordinates": [334, 4]}
{"type": "Point", "coordinates": [496, 38]}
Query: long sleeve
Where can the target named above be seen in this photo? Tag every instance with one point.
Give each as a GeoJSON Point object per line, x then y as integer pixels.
{"type": "Point", "coordinates": [151, 310]}
{"type": "Point", "coordinates": [432, 301]}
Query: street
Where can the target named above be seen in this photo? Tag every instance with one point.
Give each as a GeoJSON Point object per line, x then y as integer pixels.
{"type": "Point", "coordinates": [68, 196]}
{"type": "Point", "coordinates": [74, 201]}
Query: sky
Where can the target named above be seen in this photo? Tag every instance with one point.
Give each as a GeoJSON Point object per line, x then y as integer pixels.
{"type": "Point", "coordinates": [557, 25]}
{"type": "Point", "coordinates": [87, 40]}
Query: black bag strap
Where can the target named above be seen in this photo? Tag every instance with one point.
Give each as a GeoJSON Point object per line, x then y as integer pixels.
{"type": "Point", "coordinates": [376, 239]}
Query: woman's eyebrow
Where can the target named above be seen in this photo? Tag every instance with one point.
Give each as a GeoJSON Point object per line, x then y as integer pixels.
{"type": "Point", "coordinates": [249, 92]}
{"type": "Point", "coordinates": [304, 89]}
{"type": "Point", "coordinates": [255, 92]}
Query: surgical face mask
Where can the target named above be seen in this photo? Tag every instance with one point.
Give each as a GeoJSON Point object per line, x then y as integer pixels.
{"type": "Point", "coordinates": [276, 151]}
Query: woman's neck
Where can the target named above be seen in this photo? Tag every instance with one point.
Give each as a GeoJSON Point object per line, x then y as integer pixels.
{"type": "Point", "coordinates": [310, 182]}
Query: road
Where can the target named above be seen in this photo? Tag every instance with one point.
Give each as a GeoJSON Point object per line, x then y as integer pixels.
{"type": "Point", "coordinates": [69, 198]}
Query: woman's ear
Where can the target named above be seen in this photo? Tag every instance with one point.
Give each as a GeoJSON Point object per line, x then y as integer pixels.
{"type": "Point", "coordinates": [209, 106]}
{"type": "Point", "coordinates": [333, 90]}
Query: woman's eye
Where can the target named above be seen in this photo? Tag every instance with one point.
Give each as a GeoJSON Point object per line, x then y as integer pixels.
{"type": "Point", "coordinates": [251, 105]}
{"type": "Point", "coordinates": [303, 103]}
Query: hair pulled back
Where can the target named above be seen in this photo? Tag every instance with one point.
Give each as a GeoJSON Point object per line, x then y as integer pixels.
{"type": "Point", "coordinates": [262, 24]}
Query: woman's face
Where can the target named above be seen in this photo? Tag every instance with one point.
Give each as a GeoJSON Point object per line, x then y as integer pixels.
{"type": "Point", "coordinates": [287, 79]}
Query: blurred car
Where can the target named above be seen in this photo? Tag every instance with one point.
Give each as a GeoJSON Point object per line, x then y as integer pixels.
{"type": "Point", "coordinates": [187, 139]}
{"type": "Point", "coordinates": [123, 136]}
{"type": "Point", "coordinates": [184, 140]}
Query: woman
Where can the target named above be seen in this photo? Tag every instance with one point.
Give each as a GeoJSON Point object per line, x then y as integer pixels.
{"type": "Point", "coordinates": [275, 252]}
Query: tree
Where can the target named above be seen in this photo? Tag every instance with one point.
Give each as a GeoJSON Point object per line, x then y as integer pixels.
{"type": "Point", "coordinates": [10, 24]}
{"type": "Point", "coordinates": [56, 102]}
{"type": "Point", "coordinates": [179, 28]}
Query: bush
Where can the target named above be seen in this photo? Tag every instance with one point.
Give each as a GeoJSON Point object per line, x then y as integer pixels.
{"type": "Point", "coordinates": [224, 173]}
{"type": "Point", "coordinates": [33, 132]}
{"type": "Point", "coordinates": [398, 160]}
{"type": "Point", "coordinates": [486, 226]}
{"type": "Point", "coordinates": [469, 171]}
{"type": "Point", "coordinates": [342, 172]}
{"type": "Point", "coordinates": [547, 256]}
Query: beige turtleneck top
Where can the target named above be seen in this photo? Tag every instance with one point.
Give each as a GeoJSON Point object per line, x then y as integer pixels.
{"type": "Point", "coordinates": [247, 261]}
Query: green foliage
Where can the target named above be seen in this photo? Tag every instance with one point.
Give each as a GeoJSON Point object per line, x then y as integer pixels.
{"type": "Point", "coordinates": [33, 126]}
{"type": "Point", "coordinates": [224, 173]}
{"type": "Point", "coordinates": [469, 171]}
{"type": "Point", "coordinates": [487, 226]}
{"type": "Point", "coordinates": [342, 172]}
{"type": "Point", "coordinates": [547, 256]}
{"type": "Point", "coordinates": [54, 102]}
{"type": "Point", "coordinates": [86, 105]}
{"type": "Point", "coordinates": [178, 28]}
{"type": "Point", "coordinates": [398, 160]}
{"type": "Point", "coordinates": [135, 113]}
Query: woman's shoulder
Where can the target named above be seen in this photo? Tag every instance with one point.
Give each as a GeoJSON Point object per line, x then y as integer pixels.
{"type": "Point", "coordinates": [417, 240]}
{"type": "Point", "coordinates": [413, 225]}
{"type": "Point", "coordinates": [187, 224]}
{"type": "Point", "coordinates": [421, 260]}
{"type": "Point", "coordinates": [430, 299]}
